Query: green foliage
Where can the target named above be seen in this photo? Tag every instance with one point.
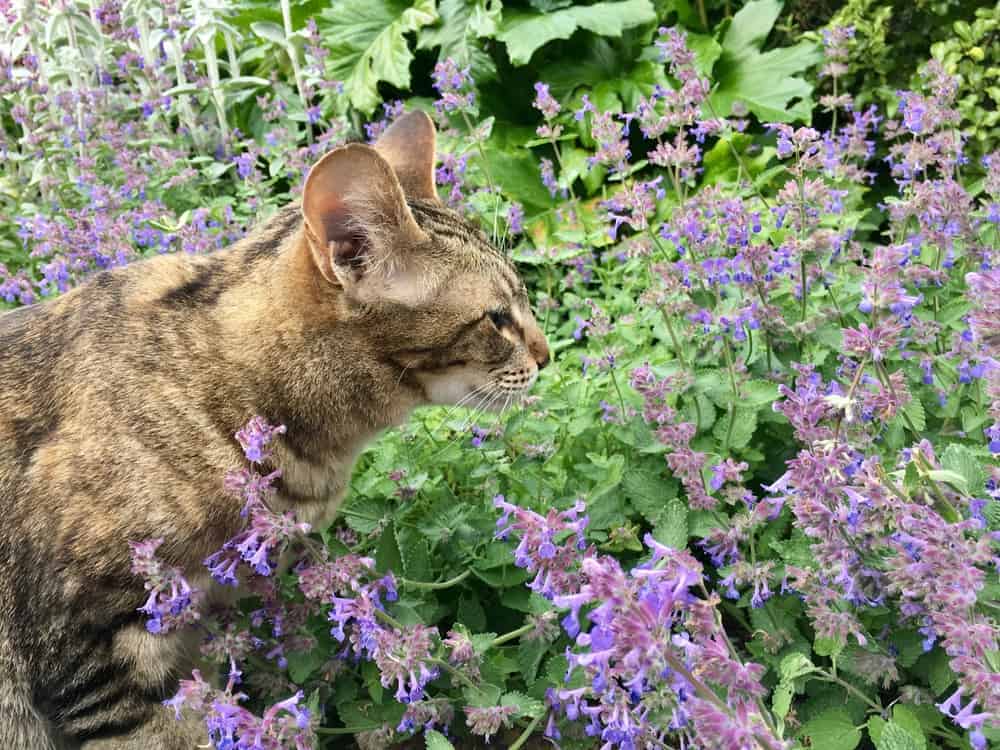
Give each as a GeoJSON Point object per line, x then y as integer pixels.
{"type": "Point", "coordinates": [367, 44]}
{"type": "Point", "coordinates": [583, 434]}
{"type": "Point", "coordinates": [526, 32]}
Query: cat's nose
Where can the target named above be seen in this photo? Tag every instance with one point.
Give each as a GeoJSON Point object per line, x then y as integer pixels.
{"type": "Point", "coordinates": [538, 346]}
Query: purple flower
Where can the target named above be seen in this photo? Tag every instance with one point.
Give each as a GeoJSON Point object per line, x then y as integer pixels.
{"type": "Point", "coordinates": [256, 436]}
{"type": "Point", "coordinates": [454, 86]}
{"type": "Point", "coordinates": [486, 722]}
{"type": "Point", "coordinates": [172, 602]}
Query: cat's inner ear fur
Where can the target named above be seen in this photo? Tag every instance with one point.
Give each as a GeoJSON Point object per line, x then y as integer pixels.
{"type": "Point", "coordinates": [360, 231]}
{"type": "Point", "coordinates": [409, 147]}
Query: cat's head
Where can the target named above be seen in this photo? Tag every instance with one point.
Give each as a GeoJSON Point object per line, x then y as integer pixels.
{"type": "Point", "coordinates": [422, 284]}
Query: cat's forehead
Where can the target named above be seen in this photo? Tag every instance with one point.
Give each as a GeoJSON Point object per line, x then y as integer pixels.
{"type": "Point", "coordinates": [466, 248]}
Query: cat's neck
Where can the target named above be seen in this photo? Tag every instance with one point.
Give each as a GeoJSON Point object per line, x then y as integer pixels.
{"type": "Point", "coordinates": [304, 363]}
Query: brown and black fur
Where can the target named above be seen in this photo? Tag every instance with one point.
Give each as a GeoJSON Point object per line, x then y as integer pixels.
{"type": "Point", "coordinates": [119, 402]}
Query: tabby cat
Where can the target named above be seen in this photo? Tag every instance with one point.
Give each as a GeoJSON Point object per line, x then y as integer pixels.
{"type": "Point", "coordinates": [120, 399]}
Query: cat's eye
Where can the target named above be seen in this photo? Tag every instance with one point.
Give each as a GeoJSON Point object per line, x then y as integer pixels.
{"type": "Point", "coordinates": [500, 318]}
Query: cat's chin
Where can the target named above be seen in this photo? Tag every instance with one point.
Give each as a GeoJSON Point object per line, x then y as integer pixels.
{"type": "Point", "coordinates": [497, 402]}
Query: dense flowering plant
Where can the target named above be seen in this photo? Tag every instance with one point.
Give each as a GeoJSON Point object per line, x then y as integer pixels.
{"type": "Point", "coordinates": [755, 502]}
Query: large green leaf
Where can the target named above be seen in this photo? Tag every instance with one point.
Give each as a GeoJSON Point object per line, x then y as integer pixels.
{"type": "Point", "coordinates": [767, 83]}
{"type": "Point", "coordinates": [463, 23]}
{"type": "Point", "coordinates": [832, 730]}
{"type": "Point", "coordinates": [367, 44]}
{"type": "Point", "coordinates": [524, 32]}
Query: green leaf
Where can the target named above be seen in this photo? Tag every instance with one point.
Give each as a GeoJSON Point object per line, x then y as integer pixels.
{"type": "Point", "coordinates": [940, 675]}
{"type": "Point", "coordinates": [744, 424]}
{"type": "Point", "coordinates": [415, 555]}
{"type": "Point", "coordinates": [671, 526]}
{"type": "Point", "coordinates": [373, 680]}
{"type": "Point", "coordinates": [483, 695]}
{"type": "Point", "coordinates": [387, 557]}
{"type": "Point", "coordinates": [795, 665]}
{"type": "Point", "coordinates": [767, 83]}
{"type": "Point", "coordinates": [894, 737]}
{"type": "Point", "coordinates": [519, 175]}
{"type": "Point", "coordinates": [751, 25]}
{"type": "Point", "coordinates": [463, 23]}
{"type": "Point", "coordinates": [757, 393]}
{"type": "Point", "coordinates": [471, 613]}
{"type": "Point", "coordinates": [529, 657]}
{"type": "Point", "coordinates": [781, 700]}
{"type": "Point", "coordinates": [527, 707]}
{"type": "Point", "coordinates": [649, 493]}
{"type": "Point", "coordinates": [269, 31]}
{"type": "Point", "coordinates": [915, 411]}
{"type": "Point", "coordinates": [955, 479]}
{"type": "Point", "coordinates": [367, 44]}
{"type": "Point", "coordinates": [832, 730]}
{"type": "Point", "coordinates": [905, 718]}
{"type": "Point", "coordinates": [826, 646]}
{"type": "Point", "coordinates": [301, 664]}
{"type": "Point", "coordinates": [959, 459]}
{"type": "Point", "coordinates": [525, 32]}
{"type": "Point", "coordinates": [437, 741]}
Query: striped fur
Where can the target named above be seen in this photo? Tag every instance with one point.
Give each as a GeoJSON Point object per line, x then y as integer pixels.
{"type": "Point", "coordinates": [118, 406]}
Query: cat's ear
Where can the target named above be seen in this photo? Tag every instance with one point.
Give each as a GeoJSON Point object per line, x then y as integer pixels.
{"type": "Point", "coordinates": [409, 147]}
{"type": "Point", "coordinates": [360, 231]}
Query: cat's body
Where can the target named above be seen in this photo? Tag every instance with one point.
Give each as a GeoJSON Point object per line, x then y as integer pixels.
{"type": "Point", "coordinates": [120, 399]}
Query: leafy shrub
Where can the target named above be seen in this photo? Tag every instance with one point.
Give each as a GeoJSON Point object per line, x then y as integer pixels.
{"type": "Point", "coordinates": [754, 501]}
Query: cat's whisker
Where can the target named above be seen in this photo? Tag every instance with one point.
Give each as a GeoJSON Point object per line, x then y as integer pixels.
{"type": "Point", "coordinates": [472, 417]}
{"type": "Point", "coordinates": [472, 395]}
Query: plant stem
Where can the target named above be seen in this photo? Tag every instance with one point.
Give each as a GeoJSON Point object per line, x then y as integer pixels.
{"type": "Point", "coordinates": [502, 639]}
{"type": "Point", "coordinates": [286, 18]}
{"type": "Point", "coordinates": [526, 734]}
{"type": "Point", "coordinates": [346, 730]}
{"type": "Point", "coordinates": [828, 677]}
{"type": "Point", "coordinates": [435, 585]}
{"type": "Point", "coordinates": [486, 171]}
{"type": "Point", "coordinates": [673, 338]}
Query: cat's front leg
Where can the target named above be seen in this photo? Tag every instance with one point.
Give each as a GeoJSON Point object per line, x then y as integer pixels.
{"type": "Point", "coordinates": [162, 731]}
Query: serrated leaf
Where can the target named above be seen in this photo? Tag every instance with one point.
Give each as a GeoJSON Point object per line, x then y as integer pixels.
{"type": "Point", "coordinates": [527, 707]}
{"type": "Point", "coordinates": [767, 83]}
{"type": "Point", "coordinates": [367, 44]}
{"type": "Point", "coordinates": [781, 699]}
{"type": "Point", "coordinates": [470, 613]}
{"type": "Point", "coordinates": [826, 646]}
{"type": "Point", "coordinates": [795, 665]}
{"type": "Point", "coordinates": [715, 385]}
{"type": "Point", "coordinates": [955, 479]}
{"type": "Point", "coordinates": [529, 657]}
{"type": "Point", "coordinates": [744, 425]}
{"type": "Point", "coordinates": [757, 393]}
{"type": "Point", "coordinates": [463, 22]}
{"type": "Point", "coordinates": [387, 556]}
{"type": "Point", "coordinates": [301, 664]}
{"type": "Point", "coordinates": [940, 675]}
{"type": "Point", "coordinates": [832, 730]}
{"type": "Point", "coordinates": [904, 717]}
{"type": "Point", "coordinates": [483, 695]}
{"type": "Point", "coordinates": [671, 525]}
{"type": "Point", "coordinates": [269, 31]}
{"type": "Point", "coordinates": [364, 514]}
{"type": "Point", "coordinates": [894, 737]}
{"type": "Point", "coordinates": [959, 459]}
{"type": "Point", "coordinates": [915, 411]}
{"type": "Point", "coordinates": [524, 32]}
{"type": "Point", "coordinates": [415, 555]}
{"type": "Point", "coordinates": [648, 492]}
{"type": "Point", "coordinates": [437, 741]}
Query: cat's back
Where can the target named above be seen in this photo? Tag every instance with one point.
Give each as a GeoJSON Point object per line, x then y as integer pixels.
{"type": "Point", "coordinates": [101, 382]}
